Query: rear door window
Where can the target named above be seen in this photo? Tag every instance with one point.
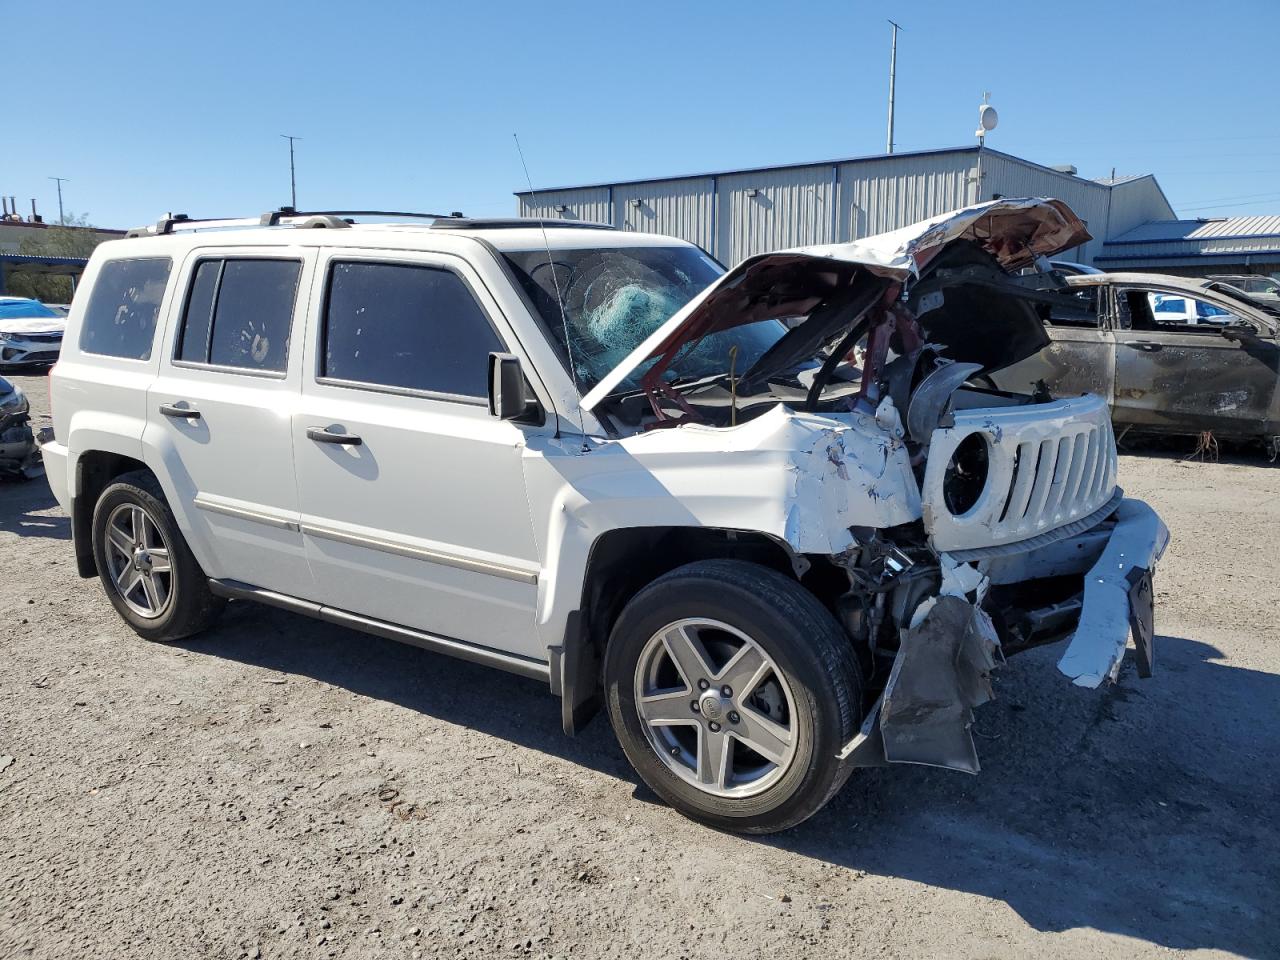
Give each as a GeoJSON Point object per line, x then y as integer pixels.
{"type": "Point", "coordinates": [239, 313]}
{"type": "Point", "coordinates": [120, 320]}
{"type": "Point", "coordinates": [407, 327]}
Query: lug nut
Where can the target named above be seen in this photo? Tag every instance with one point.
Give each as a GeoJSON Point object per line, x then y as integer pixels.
{"type": "Point", "coordinates": [733, 716]}
{"type": "Point", "coordinates": [695, 707]}
{"type": "Point", "coordinates": [702, 684]}
{"type": "Point", "coordinates": [726, 691]}
{"type": "Point", "coordinates": [715, 727]}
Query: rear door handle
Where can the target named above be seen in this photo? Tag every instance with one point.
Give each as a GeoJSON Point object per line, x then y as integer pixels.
{"type": "Point", "coordinates": [179, 413]}
{"type": "Point", "coordinates": [1148, 346]}
{"type": "Point", "coordinates": [321, 435]}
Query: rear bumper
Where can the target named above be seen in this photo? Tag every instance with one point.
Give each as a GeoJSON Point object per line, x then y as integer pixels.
{"type": "Point", "coordinates": [55, 456]}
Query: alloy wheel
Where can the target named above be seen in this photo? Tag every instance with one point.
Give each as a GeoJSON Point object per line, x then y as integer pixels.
{"type": "Point", "coordinates": [715, 707]}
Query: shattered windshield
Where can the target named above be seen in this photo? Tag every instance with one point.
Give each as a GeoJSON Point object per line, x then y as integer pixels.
{"type": "Point", "coordinates": [616, 297]}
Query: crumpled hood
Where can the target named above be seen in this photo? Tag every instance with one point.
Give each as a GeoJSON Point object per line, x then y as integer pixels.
{"type": "Point", "coordinates": [793, 282]}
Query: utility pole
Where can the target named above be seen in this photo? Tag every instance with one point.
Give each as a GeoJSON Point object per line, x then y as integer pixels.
{"type": "Point", "coordinates": [893, 71]}
{"type": "Point", "coordinates": [293, 180]}
{"type": "Point", "coordinates": [62, 219]}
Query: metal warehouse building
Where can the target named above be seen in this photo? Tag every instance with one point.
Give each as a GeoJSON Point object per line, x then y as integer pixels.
{"type": "Point", "coordinates": [739, 213]}
{"type": "Point", "coordinates": [1197, 247]}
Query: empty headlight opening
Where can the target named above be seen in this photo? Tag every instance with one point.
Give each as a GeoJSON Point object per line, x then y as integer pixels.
{"type": "Point", "coordinates": [966, 475]}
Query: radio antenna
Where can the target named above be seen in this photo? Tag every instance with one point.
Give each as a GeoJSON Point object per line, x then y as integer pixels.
{"type": "Point", "coordinates": [555, 280]}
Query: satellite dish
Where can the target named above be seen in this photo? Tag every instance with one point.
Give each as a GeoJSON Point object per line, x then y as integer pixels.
{"type": "Point", "coordinates": [987, 119]}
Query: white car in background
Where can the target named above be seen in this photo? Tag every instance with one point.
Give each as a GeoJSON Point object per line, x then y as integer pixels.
{"type": "Point", "coordinates": [30, 332]}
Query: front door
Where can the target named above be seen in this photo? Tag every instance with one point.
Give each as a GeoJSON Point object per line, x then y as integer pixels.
{"type": "Point", "coordinates": [412, 495]}
{"type": "Point", "coordinates": [1184, 365]}
{"type": "Point", "coordinates": [218, 413]}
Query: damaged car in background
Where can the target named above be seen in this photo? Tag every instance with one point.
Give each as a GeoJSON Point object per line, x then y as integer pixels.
{"type": "Point", "coordinates": [777, 521]}
{"type": "Point", "coordinates": [1170, 355]}
{"type": "Point", "coordinates": [19, 457]}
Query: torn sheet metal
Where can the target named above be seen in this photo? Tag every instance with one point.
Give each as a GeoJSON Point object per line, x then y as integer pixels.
{"type": "Point", "coordinates": [941, 673]}
{"type": "Point", "coordinates": [1097, 647]}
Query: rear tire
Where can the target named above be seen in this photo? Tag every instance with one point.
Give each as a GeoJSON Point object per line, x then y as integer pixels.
{"type": "Point", "coordinates": [731, 690]}
{"type": "Point", "coordinates": [145, 565]}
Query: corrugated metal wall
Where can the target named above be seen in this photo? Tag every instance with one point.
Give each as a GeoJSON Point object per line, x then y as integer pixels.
{"type": "Point", "coordinates": [678, 208]}
{"type": "Point", "coordinates": [884, 194]}
{"type": "Point", "coordinates": [739, 214]}
{"type": "Point", "coordinates": [772, 209]}
{"type": "Point", "coordinates": [588, 203]}
{"type": "Point", "coordinates": [1137, 201]}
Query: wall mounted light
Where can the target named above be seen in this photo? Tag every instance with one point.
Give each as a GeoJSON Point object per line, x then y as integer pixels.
{"type": "Point", "coordinates": [752, 191]}
{"type": "Point", "coordinates": [561, 208]}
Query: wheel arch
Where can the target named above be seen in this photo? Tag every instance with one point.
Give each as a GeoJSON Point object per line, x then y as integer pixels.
{"type": "Point", "coordinates": [620, 563]}
{"type": "Point", "coordinates": [94, 472]}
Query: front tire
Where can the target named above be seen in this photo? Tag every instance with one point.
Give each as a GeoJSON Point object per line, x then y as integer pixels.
{"type": "Point", "coordinates": [145, 565]}
{"type": "Point", "coordinates": [731, 690]}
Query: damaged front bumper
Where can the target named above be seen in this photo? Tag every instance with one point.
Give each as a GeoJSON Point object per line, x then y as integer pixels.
{"type": "Point", "coordinates": [945, 656]}
{"type": "Point", "coordinates": [19, 455]}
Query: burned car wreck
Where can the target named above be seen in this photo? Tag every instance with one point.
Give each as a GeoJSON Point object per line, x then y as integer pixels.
{"type": "Point", "coordinates": [845, 393]}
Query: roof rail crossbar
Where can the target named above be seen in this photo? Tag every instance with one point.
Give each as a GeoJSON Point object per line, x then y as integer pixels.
{"type": "Point", "coordinates": [274, 218]}
{"type": "Point", "coordinates": [290, 212]}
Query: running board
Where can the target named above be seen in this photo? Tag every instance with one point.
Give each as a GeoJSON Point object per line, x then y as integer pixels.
{"type": "Point", "coordinates": [510, 662]}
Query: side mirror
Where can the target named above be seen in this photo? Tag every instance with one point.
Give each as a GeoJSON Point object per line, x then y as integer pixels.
{"type": "Point", "coordinates": [507, 399]}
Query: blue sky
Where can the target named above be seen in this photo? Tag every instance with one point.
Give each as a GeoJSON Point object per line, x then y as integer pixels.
{"type": "Point", "coordinates": [148, 107]}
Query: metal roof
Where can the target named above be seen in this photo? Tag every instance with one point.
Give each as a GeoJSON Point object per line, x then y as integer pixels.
{"type": "Point", "coordinates": [1173, 231]}
{"type": "Point", "coordinates": [867, 158]}
{"type": "Point", "coordinates": [1121, 178]}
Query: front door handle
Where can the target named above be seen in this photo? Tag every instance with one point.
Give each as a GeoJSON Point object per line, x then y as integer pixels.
{"type": "Point", "coordinates": [321, 435]}
{"type": "Point", "coordinates": [179, 413]}
{"type": "Point", "coordinates": [1147, 346]}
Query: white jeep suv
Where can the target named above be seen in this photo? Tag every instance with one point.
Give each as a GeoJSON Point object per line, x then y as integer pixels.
{"type": "Point", "coordinates": [777, 520]}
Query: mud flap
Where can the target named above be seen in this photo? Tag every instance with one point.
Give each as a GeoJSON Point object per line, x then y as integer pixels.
{"type": "Point", "coordinates": [941, 673]}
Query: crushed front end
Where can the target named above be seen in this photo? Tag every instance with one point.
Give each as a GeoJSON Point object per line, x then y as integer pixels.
{"type": "Point", "coordinates": [1025, 540]}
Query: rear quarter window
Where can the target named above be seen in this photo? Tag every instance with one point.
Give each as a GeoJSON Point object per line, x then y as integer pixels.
{"type": "Point", "coordinates": [120, 319]}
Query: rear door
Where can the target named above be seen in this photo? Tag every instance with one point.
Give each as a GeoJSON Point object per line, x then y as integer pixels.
{"type": "Point", "coordinates": [412, 496]}
{"type": "Point", "coordinates": [1184, 365]}
{"type": "Point", "coordinates": [1080, 357]}
{"type": "Point", "coordinates": [220, 413]}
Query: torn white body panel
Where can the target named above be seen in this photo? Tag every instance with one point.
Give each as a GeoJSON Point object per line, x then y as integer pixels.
{"type": "Point", "coordinates": [1137, 542]}
{"type": "Point", "coordinates": [802, 479]}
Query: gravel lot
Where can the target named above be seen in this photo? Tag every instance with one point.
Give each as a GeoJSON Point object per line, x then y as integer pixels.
{"type": "Point", "coordinates": [284, 788]}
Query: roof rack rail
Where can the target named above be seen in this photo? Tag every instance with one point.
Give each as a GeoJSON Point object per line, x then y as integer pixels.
{"type": "Point", "coordinates": [284, 216]}
{"type": "Point", "coordinates": [290, 212]}
{"type": "Point", "coordinates": [515, 223]}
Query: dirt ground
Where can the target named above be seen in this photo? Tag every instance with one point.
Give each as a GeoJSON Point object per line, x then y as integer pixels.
{"type": "Point", "coordinates": [285, 788]}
